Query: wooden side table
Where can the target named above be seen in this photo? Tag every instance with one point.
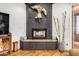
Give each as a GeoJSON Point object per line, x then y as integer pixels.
{"type": "Point", "coordinates": [15, 46]}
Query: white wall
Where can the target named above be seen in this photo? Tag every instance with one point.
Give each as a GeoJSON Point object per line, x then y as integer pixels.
{"type": "Point", "coordinates": [58, 10]}
{"type": "Point", "coordinates": [17, 24]}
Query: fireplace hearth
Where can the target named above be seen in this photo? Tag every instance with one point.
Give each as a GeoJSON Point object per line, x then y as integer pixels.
{"type": "Point", "coordinates": [39, 33]}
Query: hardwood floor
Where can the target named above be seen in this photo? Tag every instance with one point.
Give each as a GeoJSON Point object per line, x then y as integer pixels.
{"type": "Point", "coordinates": [36, 53]}
{"type": "Point", "coordinates": [76, 44]}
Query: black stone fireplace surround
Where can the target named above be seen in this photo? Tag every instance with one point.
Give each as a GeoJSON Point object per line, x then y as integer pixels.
{"type": "Point", "coordinates": [46, 22]}
{"type": "Point", "coordinates": [42, 39]}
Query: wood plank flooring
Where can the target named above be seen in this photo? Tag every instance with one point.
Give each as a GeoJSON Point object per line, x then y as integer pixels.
{"type": "Point", "coordinates": [36, 53]}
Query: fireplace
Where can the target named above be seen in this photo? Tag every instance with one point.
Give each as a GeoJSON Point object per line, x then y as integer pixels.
{"type": "Point", "coordinates": [39, 33]}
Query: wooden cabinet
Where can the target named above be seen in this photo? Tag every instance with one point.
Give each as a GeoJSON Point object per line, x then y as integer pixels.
{"type": "Point", "coordinates": [6, 44]}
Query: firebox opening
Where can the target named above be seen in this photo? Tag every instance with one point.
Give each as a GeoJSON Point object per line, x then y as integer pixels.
{"type": "Point", "coordinates": [39, 33]}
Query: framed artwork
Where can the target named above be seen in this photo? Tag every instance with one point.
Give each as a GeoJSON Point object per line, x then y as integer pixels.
{"type": "Point", "coordinates": [4, 23]}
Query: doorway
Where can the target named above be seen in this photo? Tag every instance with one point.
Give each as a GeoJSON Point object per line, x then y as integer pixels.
{"type": "Point", "coordinates": [76, 40]}
{"type": "Point", "coordinates": [76, 26]}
